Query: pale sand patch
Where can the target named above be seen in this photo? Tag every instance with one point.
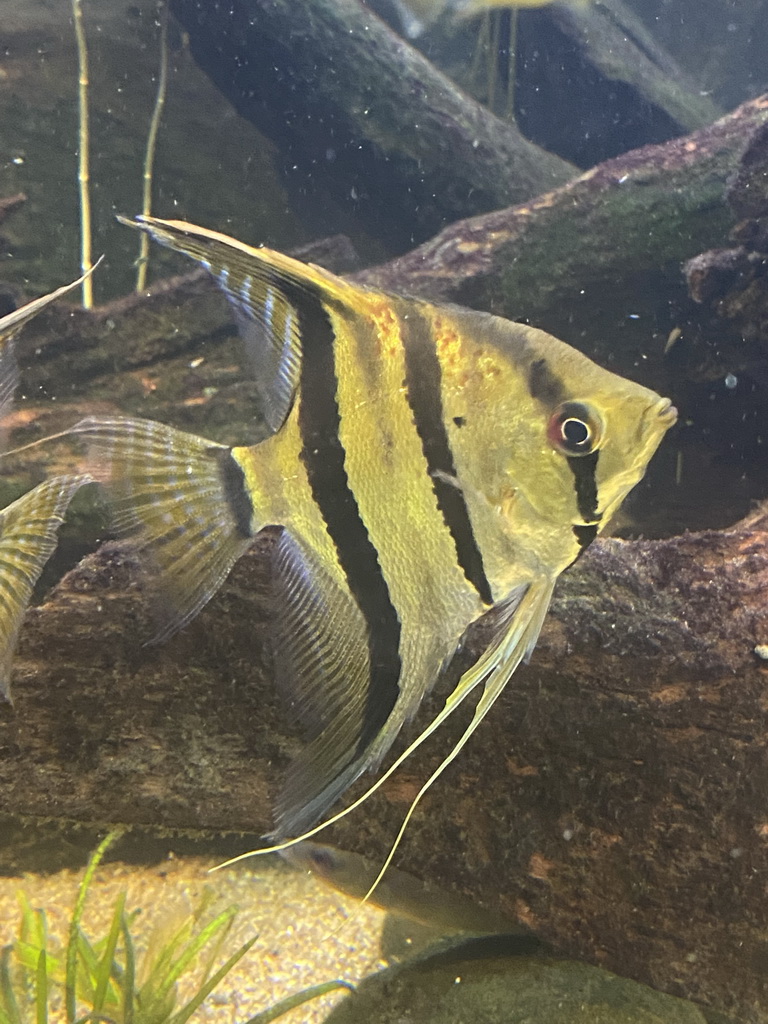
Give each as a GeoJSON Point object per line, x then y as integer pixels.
{"type": "Point", "coordinates": [305, 935]}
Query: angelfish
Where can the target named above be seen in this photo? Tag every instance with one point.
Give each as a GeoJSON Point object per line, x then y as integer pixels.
{"type": "Point", "coordinates": [419, 15]}
{"type": "Point", "coordinates": [29, 526]}
{"type": "Point", "coordinates": [426, 463]}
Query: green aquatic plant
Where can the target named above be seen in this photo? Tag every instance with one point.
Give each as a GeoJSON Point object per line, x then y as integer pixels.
{"type": "Point", "coordinates": [107, 980]}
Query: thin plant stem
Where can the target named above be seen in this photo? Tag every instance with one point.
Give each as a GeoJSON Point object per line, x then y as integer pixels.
{"type": "Point", "coordinates": [83, 168]}
{"type": "Point", "coordinates": [149, 157]}
{"type": "Point", "coordinates": [493, 59]}
{"type": "Point", "coordinates": [511, 65]}
{"type": "Point", "coordinates": [480, 51]}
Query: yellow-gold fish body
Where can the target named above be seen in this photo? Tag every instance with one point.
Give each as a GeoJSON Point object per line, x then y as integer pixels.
{"type": "Point", "coordinates": [426, 463]}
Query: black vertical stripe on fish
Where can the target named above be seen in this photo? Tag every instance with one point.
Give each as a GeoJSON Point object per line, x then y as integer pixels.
{"type": "Point", "coordinates": [543, 384]}
{"type": "Point", "coordinates": [585, 535]}
{"type": "Point", "coordinates": [233, 481]}
{"type": "Point", "coordinates": [324, 457]}
{"type": "Point", "coordinates": [423, 379]}
{"type": "Point", "coordinates": [584, 468]}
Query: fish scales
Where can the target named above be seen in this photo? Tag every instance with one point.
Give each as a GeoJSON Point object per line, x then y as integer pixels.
{"type": "Point", "coordinates": [427, 345]}
{"type": "Point", "coordinates": [386, 528]}
{"type": "Point", "coordinates": [426, 462]}
{"type": "Point", "coordinates": [325, 399]}
{"type": "Point", "coordinates": [398, 507]}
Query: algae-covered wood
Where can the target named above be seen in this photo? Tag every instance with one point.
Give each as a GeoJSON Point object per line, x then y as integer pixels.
{"type": "Point", "coordinates": [615, 801]}
{"type": "Point", "coordinates": [587, 254]}
{"type": "Point", "coordinates": [575, 261]}
{"type": "Point", "coordinates": [590, 80]}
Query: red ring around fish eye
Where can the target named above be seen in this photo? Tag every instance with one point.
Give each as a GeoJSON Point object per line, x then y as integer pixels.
{"type": "Point", "coordinates": [574, 429]}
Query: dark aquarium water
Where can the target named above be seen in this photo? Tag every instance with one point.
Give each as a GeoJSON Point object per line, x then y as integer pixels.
{"type": "Point", "coordinates": [403, 450]}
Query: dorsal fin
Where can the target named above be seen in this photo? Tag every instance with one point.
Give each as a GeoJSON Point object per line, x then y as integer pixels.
{"type": "Point", "coordinates": [9, 373]}
{"type": "Point", "coordinates": [10, 325]}
{"type": "Point", "coordinates": [29, 526]}
{"type": "Point", "coordinates": [253, 281]}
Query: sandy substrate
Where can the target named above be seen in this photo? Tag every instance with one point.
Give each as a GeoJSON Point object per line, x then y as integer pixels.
{"type": "Point", "coordinates": [307, 933]}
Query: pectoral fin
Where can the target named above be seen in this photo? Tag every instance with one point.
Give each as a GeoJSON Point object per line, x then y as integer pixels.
{"type": "Point", "coordinates": [257, 283]}
{"type": "Point", "coordinates": [184, 501]}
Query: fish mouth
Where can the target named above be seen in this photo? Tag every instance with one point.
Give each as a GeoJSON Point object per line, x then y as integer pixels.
{"type": "Point", "coordinates": [666, 412]}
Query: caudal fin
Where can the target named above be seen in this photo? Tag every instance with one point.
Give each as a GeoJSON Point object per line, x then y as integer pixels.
{"type": "Point", "coordinates": [184, 501]}
{"type": "Point", "coordinates": [28, 533]}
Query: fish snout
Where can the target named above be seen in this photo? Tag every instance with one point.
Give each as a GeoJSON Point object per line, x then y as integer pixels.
{"type": "Point", "coordinates": [666, 412]}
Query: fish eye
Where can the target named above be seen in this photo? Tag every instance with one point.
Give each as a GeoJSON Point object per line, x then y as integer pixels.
{"type": "Point", "coordinates": [575, 429]}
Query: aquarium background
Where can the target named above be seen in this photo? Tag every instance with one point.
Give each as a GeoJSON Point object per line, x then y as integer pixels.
{"type": "Point", "coordinates": [352, 135]}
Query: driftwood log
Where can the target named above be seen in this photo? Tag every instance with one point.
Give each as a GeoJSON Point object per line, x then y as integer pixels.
{"type": "Point", "coordinates": [11, 203]}
{"type": "Point", "coordinates": [590, 80]}
{"type": "Point", "coordinates": [591, 262]}
{"type": "Point", "coordinates": [614, 800]}
{"type": "Point", "coordinates": [354, 107]}
{"type": "Point", "coordinates": [731, 285]}
{"type": "Point", "coordinates": [607, 83]}
{"type": "Point", "coordinates": [594, 260]}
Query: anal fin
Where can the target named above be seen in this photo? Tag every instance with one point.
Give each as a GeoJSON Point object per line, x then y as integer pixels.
{"type": "Point", "coordinates": [323, 675]}
{"type": "Point", "coordinates": [517, 631]}
{"type": "Point", "coordinates": [182, 498]}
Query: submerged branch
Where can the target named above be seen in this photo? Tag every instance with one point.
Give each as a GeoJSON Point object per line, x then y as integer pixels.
{"type": "Point", "coordinates": [623, 773]}
{"type": "Point", "coordinates": [608, 239]}
{"type": "Point", "coordinates": [355, 109]}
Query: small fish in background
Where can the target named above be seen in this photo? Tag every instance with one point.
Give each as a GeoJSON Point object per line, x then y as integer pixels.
{"type": "Point", "coordinates": [399, 893]}
{"type": "Point", "coordinates": [416, 16]}
{"type": "Point", "coordinates": [427, 463]}
{"type": "Point", "coordinates": [29, 526]}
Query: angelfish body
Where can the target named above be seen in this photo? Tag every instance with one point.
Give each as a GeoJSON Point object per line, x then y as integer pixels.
{"type": "Point", "coordinates": [427, 463]}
